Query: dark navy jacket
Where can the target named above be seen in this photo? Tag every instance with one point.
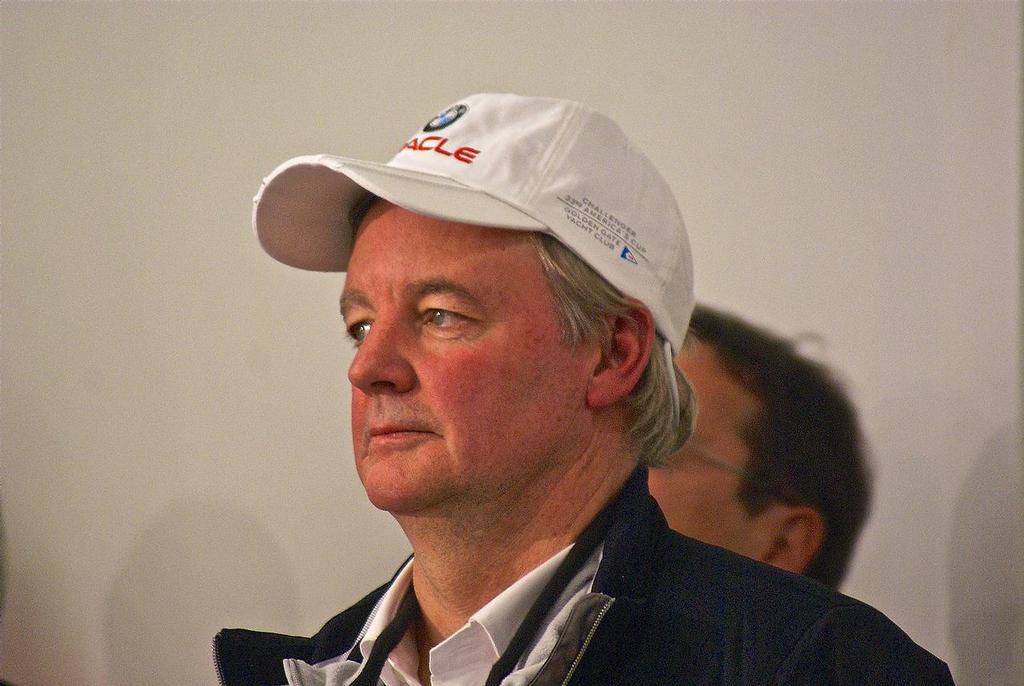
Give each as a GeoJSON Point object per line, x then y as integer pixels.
{"type": "Point", "coordinates": [666, 610]}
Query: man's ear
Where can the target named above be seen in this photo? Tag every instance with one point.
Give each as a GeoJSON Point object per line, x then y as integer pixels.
{"type": "Point", "coordinates": [795, 534]}
{"type": "Point", "coordinates": [624, 359]}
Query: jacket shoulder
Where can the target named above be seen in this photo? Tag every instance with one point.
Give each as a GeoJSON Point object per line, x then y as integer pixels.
{"type": "Point", "coordinates": [737, 620]}
{"type": "Point", "coordinates": [854, 643]}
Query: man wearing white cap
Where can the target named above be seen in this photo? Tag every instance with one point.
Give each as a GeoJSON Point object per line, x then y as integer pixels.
{"type": "Point", "coordinates": [518, 282]}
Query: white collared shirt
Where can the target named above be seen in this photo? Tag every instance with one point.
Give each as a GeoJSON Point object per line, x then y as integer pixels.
{"type": "Point", "coordinates": [465, 658]}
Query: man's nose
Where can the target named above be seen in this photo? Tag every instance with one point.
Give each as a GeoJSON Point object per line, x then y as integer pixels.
{"type": "Point", "coordinates": [381, 363]}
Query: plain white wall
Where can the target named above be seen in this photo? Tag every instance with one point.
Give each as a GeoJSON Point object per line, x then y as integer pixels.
{"type": "Point", "coordinates": [174, 405]}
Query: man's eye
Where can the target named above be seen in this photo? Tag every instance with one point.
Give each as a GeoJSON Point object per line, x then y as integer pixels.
{"type": "Point", "coordinates": [445, 320]}
{"type": "Point", "coordinates": [357, 332]}
{"type": "Point", "coordinates": [440, 318]}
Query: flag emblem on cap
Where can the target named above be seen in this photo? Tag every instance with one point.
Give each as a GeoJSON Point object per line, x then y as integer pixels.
{"type": "Point", "coordinates": [627, 254]}
{"type": "Point", "coordinates": [445, 118]}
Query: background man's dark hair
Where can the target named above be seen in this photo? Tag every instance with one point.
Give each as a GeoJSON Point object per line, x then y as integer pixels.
{"type": "Point", "coordinates": [806, 447]}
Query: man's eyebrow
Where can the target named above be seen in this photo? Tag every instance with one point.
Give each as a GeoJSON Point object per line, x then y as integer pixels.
{"type": "Point", "coordinates": [442, 287]}
{"type": "Point", "coordinates": [417, 289]}
{"type": "Point", "coordinates": [353, 298]}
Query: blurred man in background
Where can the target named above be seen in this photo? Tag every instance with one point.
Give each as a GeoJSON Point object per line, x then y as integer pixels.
{"type": "Point", "coordinates": [775, 469]}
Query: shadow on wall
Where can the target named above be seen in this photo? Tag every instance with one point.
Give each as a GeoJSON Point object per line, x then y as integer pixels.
{"type": "Point", "coordinates": [987, 567]}
{"type": "Point", "coordinates": [199, 567]}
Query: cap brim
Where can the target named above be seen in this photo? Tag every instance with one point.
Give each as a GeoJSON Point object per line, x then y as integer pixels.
{"type": "Point", "coordinates": [301, 213]}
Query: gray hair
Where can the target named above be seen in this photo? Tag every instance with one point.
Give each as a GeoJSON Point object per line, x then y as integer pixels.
{"type": "Point", "coordinates": [583, 301]}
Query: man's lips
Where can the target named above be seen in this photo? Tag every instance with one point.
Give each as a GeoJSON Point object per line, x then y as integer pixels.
{"type": "Point", "coordinates": [393, 433]}
{"type": "Point", "coordinates": [397, 426]}
{"type": "Point", "coordinates": [379, 431]}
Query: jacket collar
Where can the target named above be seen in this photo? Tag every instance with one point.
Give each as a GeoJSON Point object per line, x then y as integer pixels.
{"type": "Point", "coordinates": [637, 523]}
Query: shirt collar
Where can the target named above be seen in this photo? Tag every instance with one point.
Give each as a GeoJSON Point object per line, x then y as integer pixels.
{"type": "Point", "coordinates": [502, 616]}
{"type": "Point", "coordinates": [485, 635]}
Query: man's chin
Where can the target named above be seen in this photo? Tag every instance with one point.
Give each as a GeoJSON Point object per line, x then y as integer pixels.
{"type": "Point", "coordinates": [403, 503]}
{"type": "Point", "coordinates": [405, 479]}
{"type": "Point", "coordinates": [396, 490]}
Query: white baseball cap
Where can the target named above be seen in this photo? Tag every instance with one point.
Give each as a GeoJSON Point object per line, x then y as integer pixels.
{"type": "Point", "coordinates": [510, 162]}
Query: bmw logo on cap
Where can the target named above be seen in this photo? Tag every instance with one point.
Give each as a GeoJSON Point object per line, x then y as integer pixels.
{"type": "Point", "coordinates": [445, 118]}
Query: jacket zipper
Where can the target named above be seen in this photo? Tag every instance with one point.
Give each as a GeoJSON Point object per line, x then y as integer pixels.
{"type": "Point", "coordinates": [586, 641]}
